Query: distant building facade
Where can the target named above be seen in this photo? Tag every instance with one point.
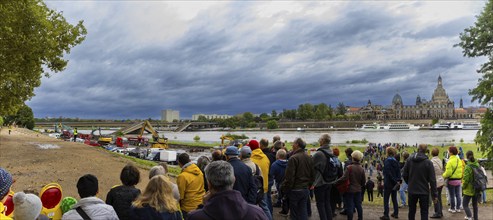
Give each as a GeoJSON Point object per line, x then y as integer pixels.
{"type": "Point", "coordinates": [210, 116]}
{"type": "Point", "coordinates": [169, 115]}
{"type": "Point", "coordinates": [440, 106]}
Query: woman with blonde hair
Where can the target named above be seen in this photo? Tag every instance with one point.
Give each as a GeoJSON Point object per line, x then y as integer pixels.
{"type": "Point", "coordinates": [157, 201]}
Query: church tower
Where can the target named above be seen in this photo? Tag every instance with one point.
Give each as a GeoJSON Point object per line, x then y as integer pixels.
{"type": "Point", "coordinates": [461, 103]}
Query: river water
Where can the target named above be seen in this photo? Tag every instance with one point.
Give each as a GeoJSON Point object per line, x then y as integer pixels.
{"type": "Point", "coordinates": [435, 137]}
{"type": "Point", "coordinates": [340, 137]}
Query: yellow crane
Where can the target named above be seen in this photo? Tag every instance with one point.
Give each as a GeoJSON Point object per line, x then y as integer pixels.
{"type": "Point", "coordinates": [158, 142]}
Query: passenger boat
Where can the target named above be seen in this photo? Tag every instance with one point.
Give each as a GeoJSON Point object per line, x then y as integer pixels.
{"type": "Point", "coordinates": [456, 126]}
{"type": "Point", "coordinates": [402, 127]}
{"type": "Point", "coordinates": [440, 126]}
{"type": "Point", "coordinates": [471, 125]}
{"type": "Point", "coordinates": [373, 127]}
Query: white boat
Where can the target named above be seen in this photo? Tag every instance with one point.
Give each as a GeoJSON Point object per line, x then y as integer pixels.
{"type": "Point", "coordinates": [456, 126]}
{"type": "Point", "coordinates": [440, 126]}
{"type": "Point", "coordinates": [373, 127]}
{"type": "Point", "coordinates": [471, 125]}
{"type": "Point", "coordinates": [402, 127]}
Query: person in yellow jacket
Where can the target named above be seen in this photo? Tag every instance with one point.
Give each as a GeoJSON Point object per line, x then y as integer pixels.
{"type": "Point", "coordinates": [5, 184]}
{"type": "Point", "coordinates": [258, 157]}
{"type": "Point", "coordinates": [454, 173]}
{"type": "Point", "coordinates": [190, 184]}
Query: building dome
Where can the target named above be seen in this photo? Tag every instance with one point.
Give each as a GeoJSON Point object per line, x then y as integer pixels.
{"type": "Point", "coordinates": [397, 100]}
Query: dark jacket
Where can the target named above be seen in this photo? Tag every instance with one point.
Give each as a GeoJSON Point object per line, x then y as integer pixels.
{"type": "Point", "coordinates": [244, 180]}
{"type": "Point", "coordinates": [278, 169]}
{"type": "Point", "coordinates": [121, 198]}
{"type": "Point", "coordinates": [299, 173]}
{"type": "Point", "coordinates": [419, 174]}
{"type": "Point", "coordinates": [149, 213]}
{"type": "Point", "coordinates": [391, 173]}
{"type": "Point", "coordinates": [320, 163]}
{"type": "Point", "coordinates": [370, 185]}
{"type": "Point", "coordinates": [270, 155]}
{"type": "Point", "coordinates": [356, 174]}
{"type": "Point", "coordinates": [227, 205]}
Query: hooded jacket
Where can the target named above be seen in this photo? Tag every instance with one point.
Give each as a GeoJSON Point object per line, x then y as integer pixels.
{"type": "Point", "coordinates": [191, 186]}
{"type": "Point", "coordinates": [94, 207]}
{"type": "Point", "coordinates": [227, 205]}
{"type": "Point", "coordinates": [259, 158]}
{"type": "Point", "coordinates": [454, 161]}
{"type": "Point", "coordinates": [320, 163]}
{"type": "Point", "coordinates": [438, 167]}
{"type": "Point", "coordinates": [419, 175]}
{"type": "Point", "coordinates": [467, 182]}
{"type": "Point", "coordinates": [278, 169]}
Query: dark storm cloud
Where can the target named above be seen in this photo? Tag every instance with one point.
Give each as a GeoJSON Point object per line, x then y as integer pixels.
{"type": "Point", "coordinates": [235, 62]}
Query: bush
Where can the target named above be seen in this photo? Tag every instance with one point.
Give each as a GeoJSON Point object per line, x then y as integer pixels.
{"type": "Point", "coordinates": [272, 124]}
{"type": "Point", "coordinates": [196, 138]}
{"type": "Point", "coordinates": [462, 140]}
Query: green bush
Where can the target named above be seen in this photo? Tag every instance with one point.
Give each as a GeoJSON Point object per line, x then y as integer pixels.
{"type": "Point", "coordinates": [196, 138]}
{"type": "Point", "coordinates": [272, 124]}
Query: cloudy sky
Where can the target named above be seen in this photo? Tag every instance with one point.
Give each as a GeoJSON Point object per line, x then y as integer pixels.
{"type": "Point", "coordinates": [140, 57]}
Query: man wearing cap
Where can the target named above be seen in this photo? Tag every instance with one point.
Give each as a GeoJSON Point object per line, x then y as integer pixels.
{"type": "Point", "coordinates": [243, 174]}
{"type": "Point", "coordinates": [262, 161]}
{"type": "Point", "coordinates": [5, 184]}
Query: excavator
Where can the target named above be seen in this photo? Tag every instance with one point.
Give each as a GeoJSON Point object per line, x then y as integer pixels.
{"type": "Point", "coordinates": [225, 138]}
{"type": "Point", "coordinates": [158, 142]}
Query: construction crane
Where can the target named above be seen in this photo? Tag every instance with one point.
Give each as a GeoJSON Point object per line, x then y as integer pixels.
{"type": "Point", "coordinates": [158, 142]}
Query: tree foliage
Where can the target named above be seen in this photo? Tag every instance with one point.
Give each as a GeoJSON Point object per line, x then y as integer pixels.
{"type": "Point", "coordinates": [272, 124]}
{"type": "Point", "coordinates": [33, 40]}
{"type": "Point", "coordinates": [477, 41]}
{"type": "Point", "coordinates": [341, 109]}
{"type": "Point", "coordinates": [23, 118]}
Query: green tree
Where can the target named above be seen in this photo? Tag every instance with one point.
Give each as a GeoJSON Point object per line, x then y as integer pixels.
{"type": "Point", "coordinates": [305, 111]}
{"type": "Point", "coordinates": [264, 116]}
{"type": "Point", "coordinates": [24, 117]}
{"type": "Point", "coordinates": [272, 124]}
{"type": "Point", "coordinates": [477, 41]}
{"type": "Point", "coordinates": [248, 116]}
{"type": "Point", "coordinates": [321, 111]}
{"type": "Point", "coordinates": [273, 114]}
{"type": "Point", "coordinates": [202, 119]}
{"type": "Point", "coordinates": [341, 109]}
{"type": "Point", "coordinates": [33, 40]}
{"type": "Point", "coordinates": [1, 121]}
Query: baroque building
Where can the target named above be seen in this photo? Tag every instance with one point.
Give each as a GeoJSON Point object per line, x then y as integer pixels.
{"type": "Point", "coordinates": [440, 106]}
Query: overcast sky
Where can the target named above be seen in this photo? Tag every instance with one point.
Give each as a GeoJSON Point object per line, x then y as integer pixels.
{"type": "Point", "coordinates": [231, 57]}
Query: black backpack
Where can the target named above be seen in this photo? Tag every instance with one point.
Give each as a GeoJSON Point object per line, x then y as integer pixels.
{"type": "Point", "coordinates": [259, 182]}
{"type": "Point", "coordinates": [479, 179]}
{"type": "Point", "coordinates": [331, 167]}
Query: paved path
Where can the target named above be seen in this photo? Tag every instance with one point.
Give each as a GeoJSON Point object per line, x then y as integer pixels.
{"type": "Point", "coordinates": [374, 213]}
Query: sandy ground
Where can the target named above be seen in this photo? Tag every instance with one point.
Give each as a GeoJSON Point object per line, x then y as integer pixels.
{"type": "Point", "coordinates": [33, 167]}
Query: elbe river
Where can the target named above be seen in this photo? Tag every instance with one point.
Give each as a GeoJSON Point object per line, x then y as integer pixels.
{"type": "Point", "coordinates": [435, 137]}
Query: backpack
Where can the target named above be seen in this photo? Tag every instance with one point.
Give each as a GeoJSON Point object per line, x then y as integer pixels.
{"type": "Point", "coordinates": [479, 179]}
{"type": "Point", "coordinates": [259, 182]}
{"type": "Point", "coordinates": [331, 167]}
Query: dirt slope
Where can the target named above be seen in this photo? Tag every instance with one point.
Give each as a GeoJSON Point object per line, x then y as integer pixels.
{"type": "Point", "coordinates": [33, 167]}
